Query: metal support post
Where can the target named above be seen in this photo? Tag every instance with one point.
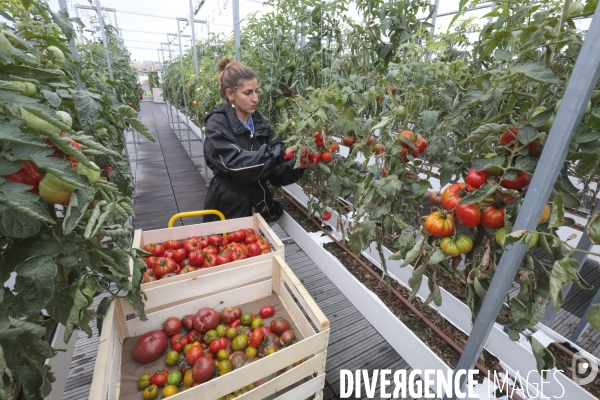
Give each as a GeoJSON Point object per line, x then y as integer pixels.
{"type": "Point", "coordinates": [163, 80]}
{"type": "Point", "coordinates": [192, 24]}
{"type": "Point", "coordinates": [107, 55]}
{"type": "Point", "coordinates": [185, 107]}
{"type": "Point", "coordinates": [579, 90]}
{"type": "Point", "coordinates": [236, 28]}
{"type": "Point", "coordinates": [169, 103]}
{"type": "Point", "coordinates": [583, 323]}
{"type": "Point", "coordinates": [584, 244]}
{"type": "Point", "coordinates": [63, 7]}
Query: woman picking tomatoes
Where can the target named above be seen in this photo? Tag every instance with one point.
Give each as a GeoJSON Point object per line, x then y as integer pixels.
{"type": "Point", "coordinates": [241, 153]}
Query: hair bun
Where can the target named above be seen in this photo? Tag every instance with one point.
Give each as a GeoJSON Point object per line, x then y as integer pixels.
{"type": "Point", "coordinates": [223, 63]}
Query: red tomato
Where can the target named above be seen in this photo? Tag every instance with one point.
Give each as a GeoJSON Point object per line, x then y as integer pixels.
{"type": "Point", "coordinates": [468, 215]}
{"type": "Point", "coordinates": [235, 323]}
{"type": "Point", "coordinates": [421, 144]}
{"type": "Point", "coordinates": [220, 260]}
{"type": "Point", "coordinates": [178, 342]}
{"type": "Point", "coordinates": [155, 249]}
{"type": "Point", "coordinates": [172, 244]}
{"type": "Point", "coordinates": [404, 154]}
{"type": "Point", "coordinates": [453, 194]}
{"type": "Point", "coordinates": [203, 241]}
{"type": "Point", "coordinates": [439, 223]}
{"type": "Point", "coordinates": [206, 319]}
{"type": "Point", "coordinates": [348, 141]}
{"type": "Point", "coordinates": [511, 135]}
{"type": "Point", "coordinates": [264, 245]}
{"type": "Point", "coordinates": [193, 354]}
{"type": "Point", "coordinates": [149, 276]}
{"type": "Point", "coordinates": [203, 369]}
{"type": "Point", "coordinates": [476, 179]}
{"type": "Point", "coordinates": [230, 314]}
{"type": "Point", "coordinates": [435, 197]}
{"type": "Point", "coordinates": [384, 172]}
{"type": "Point", "coordinates": [150, 346]}
{"type": "Point", "coordinates": [172, 325]}
{"type": "Point", "coordinates": [159, 378]}
{"type": "Point", "coordinates": [241, 235]}
{"type": "Point", "coordinates": [326, 216]}
{"type": "Point", "coordinates": [519, 182]}
{"type": "Point", "coordinates": [254, 249]}
{"type": "Point", "coordinates": [164, 266]}
{"type": "Point", "coordinates": [238, 255]}
{"type": "Point", "coordinates": [196, 258]}
{"type": "Point", "coordinates": [192, 244]}
{"type": "Point", "coordinates": [215, 240]}
{"type": "Point", "coordinates": [209, 261]}
{"type": "Point", "coordinates": [278, 325]}
{"type": "Point", "coordinates": [256, 338]}
{"type": "Point", "coordinates": [327, 156]}
{"type": "Point", "coordinates": [219, 344]}
{"type": "Point", "coordinates": [194, 336]}
{"type": "Point", "coordinates": [250, 238]}
{"type": "Point", "coordinates": [334, 146]}
{"type": "Point", "coordinates": [187, 268]}
{"type": "Point", "coordinates": [267, 311]}
{"type": "Point", "coordinates": [250, 231]}
{"type": "Point", "coordinates": [210, 250]}
{"type": "Point", "coordinates": [492, 217]}
{"type": "Point", "coordinates": [177, 255]}
{"type": "Point", "coordinates": [266, 329]}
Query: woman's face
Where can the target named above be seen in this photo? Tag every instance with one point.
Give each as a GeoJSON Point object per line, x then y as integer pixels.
{"type": "Point", "coordinates": [245, 98]}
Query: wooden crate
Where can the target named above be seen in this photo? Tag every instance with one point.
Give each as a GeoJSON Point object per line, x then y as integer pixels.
{"type": "Point", "coordinates": [219, 288]}
{"type": "Point", "coordinates": [142, 238]}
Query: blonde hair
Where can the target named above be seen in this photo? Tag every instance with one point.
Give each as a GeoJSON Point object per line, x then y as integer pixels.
{"type": "Point", "coordinates": [231, 75]}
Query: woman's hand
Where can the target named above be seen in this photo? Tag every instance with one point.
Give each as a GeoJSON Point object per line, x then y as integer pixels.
{"type": "Point", "coordinates": [305, 162]}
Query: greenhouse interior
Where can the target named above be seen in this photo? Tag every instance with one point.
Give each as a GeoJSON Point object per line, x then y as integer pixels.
{"type": "Point", "coordinates": [284, 199]}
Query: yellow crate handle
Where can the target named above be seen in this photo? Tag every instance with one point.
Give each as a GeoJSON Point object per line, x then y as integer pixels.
{"type": "Point", "coordinates": [194, 214]}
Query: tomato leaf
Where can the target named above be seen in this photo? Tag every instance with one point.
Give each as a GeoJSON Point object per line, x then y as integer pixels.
{"type": "Point", "coordinates": [484, 131]}
{"type": "Point", "coordinates": [481, 164]}
{"type": "Point", "coordinates": [20, 211]}
{"type": "Point", "coordinates": [593, 228]}
{"type": "Point", "coordinates": [140, 127]}
{"type": "Point", "coordinates": [526, 314]}
{"type": "Point", "coordinates": [80, 200]}
{"type": "Point", "coordinates": [536, 71]}
{"type": "Point", "coordinates": [87, 107]}
{"type": "Point", "coordinates": [563, 272]}
{"type": "Point", "coordinates": [558, 212]}
{"type": "Point", "coordinates": [429, 119]}
{"type": "Point", "coordinates": [9, 167]}
{"type": "Point", "coordinates": [11, 132]}
{"type": "Point", "coordinates": [477, 196]}
{"type": "Point", "coordinates": [35, 283]}
{"type": "Point", "coordinates": [526, 164]}
{"type": "Point", "coordinates": [412, 253]}
{"type": "Point", "coordinates": [541, 118]}
{"type": "Point", "coordinates": [543, 357]}
{"type": "Point", "coordinates": [514, 335]}
{"type": "Point", "coordinates": [415, 280]}
{"type": "Point", "coordinates": [51, 97]}
{"type": "Point", "coordinates": [63, 23]}
{"type": "Point", "coordinates": [527, 134]}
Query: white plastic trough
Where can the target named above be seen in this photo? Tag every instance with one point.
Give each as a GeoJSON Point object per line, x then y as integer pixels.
{"type": "Point", "coordinates": [516, 356]}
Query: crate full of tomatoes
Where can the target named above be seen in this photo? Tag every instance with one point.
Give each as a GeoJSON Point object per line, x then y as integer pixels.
{"type": "Point", "coordinates": [188, 251]}
{"type": "Point", "coordinates": [217, 340]}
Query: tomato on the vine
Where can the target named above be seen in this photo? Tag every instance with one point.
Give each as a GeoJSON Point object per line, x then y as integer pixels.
{"type": "Point", "coordinates": [27, 175]}
{"type": "Point", "coordinates": [421, 144]}
{"type": "Point", "coordinates": [435, 197]}
{"type": "Point", "coordinates": [439, 223]}
{"type": "Point", "coordinates": [519, 182]}
{"type": "Point", "coordinates": [326, 216]}
{"type": "Point", "coordinates": [468, 215]}
{"type": "Point", "coordinates": [327, 156]}
{"type": "Point", "coordinates": [493, 217]}
{"type": "Point", "coordinates": [456, 246]}
{"type": "Point", "coordinates": [54, 190]}
{"type": "Point", "coordinates": [453, 194]}
{"type": "Point", "coordinates": [476, 179]}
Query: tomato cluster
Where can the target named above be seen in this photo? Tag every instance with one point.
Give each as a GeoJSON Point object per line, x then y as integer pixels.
{"type": "Point", "coordinates": [325, 154]}
{"type": "Point", "coordinates": [411, 143]}
{"type": "Point", "coordinates": [174, 257]}
{"type": "Point", "coordinates": [207, 345]}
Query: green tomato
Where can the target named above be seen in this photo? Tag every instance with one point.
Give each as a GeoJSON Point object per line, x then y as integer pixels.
{"type": "Point", "coordinates": [35, 58]}
{"type": "Point", "coordinates": [171, 358]}
{"type": "Point", "coordinates": [92, 176]}
{"type": "Point", "coordinates": [315, 65]}
{"type": "Point", "coordinates": [55, 191]}
{"type": "Point", "coordinates": [221, 330]}
{"type": "Point", "coordinates": [588, 108]}
{"type": "Point", "coordinates": [240, 342]}
{"type": "Point", "coordinates": [280, 103]}
{"type": "Point", "coordinates": [246, 319]}
{"type": "Point", "coordinates": [501, 237]}
{"type": "Point", "coordinates": [231, 333]}
{"type": "Point", "coordinates": [455, 247]}
{"type": "Point", "coordinates": [28, 88]}
{"type": "Point", "coordinates": [66, 118]}
{"type": "Point", "coordinates": [36, 123]}
{"type": "Point", "coordinates": [546, 127]}
{"type": "Point", "coordinates": [151, 392]}
{"type": "Point", "coordinates": [56, 55]}
{"type": "Point", "coordinates": [400, 111]}
{"type": "Point", "coordinates": [144, 381]}
{"type": "Point", "coordinates": [175, 378]}
{"type": "Point", "coordinates": [576, 8]}
{"type": "Point", "coordinates": [256, 323]}
{"type": "Point", "coordinates": [5, 44]}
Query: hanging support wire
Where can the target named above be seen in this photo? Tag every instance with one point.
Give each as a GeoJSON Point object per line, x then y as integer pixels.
{"type": "Point", "coordinates": [185, 106]}
{"type": "Point", "coordinates": [579, 90]}
{"type": "Point", "coordinates": [105, 41]}
{"type": "Point", "coordinates": [169, 102]}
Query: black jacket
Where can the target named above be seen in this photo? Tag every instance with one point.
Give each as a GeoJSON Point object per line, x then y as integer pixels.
{"type": "Point", "coordinates": [242, 165]}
